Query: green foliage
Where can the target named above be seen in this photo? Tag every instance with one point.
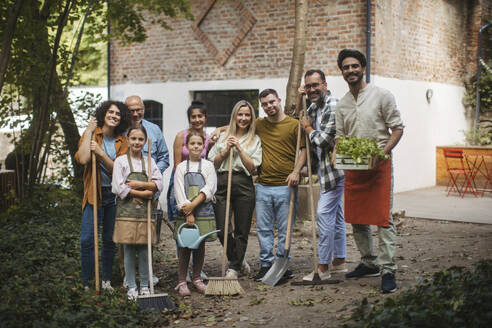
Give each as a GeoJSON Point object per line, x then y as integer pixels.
{"type": "Point", "coordinates": [39, 252]}
{"type": "Point", "coordinates": [359, 148]}
{"type": "Point", "coordinates": [483, 137]}
{"type": "Point", "coordinates": [485, 91]}
{"type": "Point", "coordinates": [470, 97]}
{"type": "Point", "coordinates": [454, 298]}
{"type": "Point", "coordinates": [127, 17]}
{"type": "Point", "coordinates": [58, 44]}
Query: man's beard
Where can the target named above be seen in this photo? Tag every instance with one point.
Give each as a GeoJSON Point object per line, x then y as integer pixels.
{"type": "Point", "coordinates": [352, 83]}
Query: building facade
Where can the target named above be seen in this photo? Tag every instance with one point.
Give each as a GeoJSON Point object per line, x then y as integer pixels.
{"type": "Point", "coordinates": [246, 46]}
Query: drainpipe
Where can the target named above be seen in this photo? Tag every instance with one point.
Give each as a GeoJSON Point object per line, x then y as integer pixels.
{"type": "Point", "coordinates": [368, 41]}
{"type": "Point", "coordinates": [109, 56]}
{"type": "Point", "coordinates": [479, 70]}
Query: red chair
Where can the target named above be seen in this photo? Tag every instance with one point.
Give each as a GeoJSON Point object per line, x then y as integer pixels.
{"type": "Point", "coordinates": [456, 168]}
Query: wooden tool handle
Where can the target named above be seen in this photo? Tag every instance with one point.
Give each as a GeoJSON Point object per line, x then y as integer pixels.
{"type": "Point", "coordinates": [149, 230]}
{"type": "Point", "coordinates": [292, 192]}
{"type": "Point", "coordinates": [228, 207]}
{"type": "Point", "coordinates": [311, 192]}
{"type": "Point", "coordinates": [94, 215]}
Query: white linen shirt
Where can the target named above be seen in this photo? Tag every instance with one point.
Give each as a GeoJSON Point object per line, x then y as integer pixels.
{"type": "Point", "coordinates": [208, 172]}
{"type": "Point", "coordinates": [369, 116]}
{"type": "Point", "coordinates": [253, 150]}
{"type": "Point", "coordinates": [121, 171]}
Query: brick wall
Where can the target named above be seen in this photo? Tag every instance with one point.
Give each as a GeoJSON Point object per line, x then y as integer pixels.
{"type": "Point", "coordinates": [425, 40]}
{"type": "Point", "coordinates": [411, 40]}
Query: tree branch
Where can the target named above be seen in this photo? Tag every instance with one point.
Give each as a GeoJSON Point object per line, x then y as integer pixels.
{"type": "Point", "coordinates": [8, 35]}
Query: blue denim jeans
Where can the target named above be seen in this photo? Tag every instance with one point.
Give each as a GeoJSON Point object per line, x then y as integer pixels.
{"type": "Point", "coordinates": [131, 252]}
{"type": "Point", "coordinates": [331, 225]}
{"type": "Point", "coordinates": [106, 216]}
{"type": "Point", "coordinates": [272, 202]}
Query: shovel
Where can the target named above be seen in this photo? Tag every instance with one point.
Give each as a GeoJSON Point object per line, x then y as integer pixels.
{"type": "Point", "coordinates": [278, 269]}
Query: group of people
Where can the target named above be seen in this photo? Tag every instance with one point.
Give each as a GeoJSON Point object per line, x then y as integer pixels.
{"type": "Point", "coordinates": [268, 147]}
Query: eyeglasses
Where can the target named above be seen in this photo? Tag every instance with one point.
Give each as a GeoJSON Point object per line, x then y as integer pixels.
{"type": "Point", "coordinates": [136, 110]}
{"type": "Point", "coordinates": [312, 86]}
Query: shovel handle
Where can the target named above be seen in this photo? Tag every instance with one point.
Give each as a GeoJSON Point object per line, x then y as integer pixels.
{"type": "Point", "coordinates": [94, 216]}
{"type": "Point", "coordinates": [228, 208]}
{"type": "Point", "coordinates": [149, 230]}
{"type": "Point", "coordinates": [292, 194]}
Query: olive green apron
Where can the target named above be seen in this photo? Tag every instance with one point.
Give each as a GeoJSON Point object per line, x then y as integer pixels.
{"type": "Point", "coordinates": [204, 213]}
{"type": "Point", "coordinates": [131, 215]}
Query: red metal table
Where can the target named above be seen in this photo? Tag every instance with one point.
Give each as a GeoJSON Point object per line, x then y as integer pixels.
{"type": "Point", "coordinates": [477, 163]}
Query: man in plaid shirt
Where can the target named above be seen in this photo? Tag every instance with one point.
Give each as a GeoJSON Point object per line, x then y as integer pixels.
{"type": "Point", "coordinates": [320, 127]}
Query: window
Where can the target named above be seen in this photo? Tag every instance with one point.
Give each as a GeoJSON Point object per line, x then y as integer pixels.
{"type": "Point", "coordinates": [220, 103]}
{"type": "Point", "coordinates": [153, 112]}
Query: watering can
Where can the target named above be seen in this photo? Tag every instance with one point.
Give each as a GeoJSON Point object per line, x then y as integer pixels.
{"type": "Point", "coordinates": [190, 237]}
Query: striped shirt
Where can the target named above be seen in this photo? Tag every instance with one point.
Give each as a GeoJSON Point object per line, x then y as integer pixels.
{"type": "Point", "coordinates": [323, 137]}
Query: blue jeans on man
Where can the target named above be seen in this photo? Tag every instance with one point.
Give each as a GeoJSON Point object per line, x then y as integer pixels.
{"type": "Point", "coordinates": [331, 225]}
{"type": "Point", "coordinates": [106, 217]}
{"type": "Point", "coordinates": [272, 202]}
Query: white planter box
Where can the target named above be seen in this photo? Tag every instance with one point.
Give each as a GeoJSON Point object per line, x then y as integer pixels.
{"type": "Point", "coordinates": [343, 162]}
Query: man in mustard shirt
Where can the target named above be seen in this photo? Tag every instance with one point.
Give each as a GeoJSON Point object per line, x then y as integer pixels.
{"type": "Point", "coordinates": [277, 174]}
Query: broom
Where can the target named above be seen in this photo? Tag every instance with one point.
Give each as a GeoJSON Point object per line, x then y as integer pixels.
{"type": "Point", "coordinates": [152, 301]}
{"type": "Point", "coordinates": [223, 285]}
{"type": "Point", "coordinates": [94, 217]}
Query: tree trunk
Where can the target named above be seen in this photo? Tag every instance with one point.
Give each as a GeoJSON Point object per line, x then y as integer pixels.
{"type": "Point", "coordinates": [34, 165]}
{"type": "Point", "coordinates": [67, 121]}
{"type": "Point", "coordinates": [297, 65]}
{"type": "Point", "coordinates": [7, 39]}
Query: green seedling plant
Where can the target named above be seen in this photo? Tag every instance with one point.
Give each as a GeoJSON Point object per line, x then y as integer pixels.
{"type": "Point", "coordinates": [359, 149]}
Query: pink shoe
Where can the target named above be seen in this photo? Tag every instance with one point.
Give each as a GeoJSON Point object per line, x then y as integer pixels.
{"type": "Point", "coordinates": [182, 289]}
{"type": "Point", "coordinates": [199, 285]}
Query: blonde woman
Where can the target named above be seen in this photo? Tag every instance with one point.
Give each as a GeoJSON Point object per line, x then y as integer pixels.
{"type": "Point", "coordinates": [239, 137]}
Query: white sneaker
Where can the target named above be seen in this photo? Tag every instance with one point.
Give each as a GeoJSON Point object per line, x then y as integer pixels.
{"type": "Point", "coordinates": [231, 273]}
{"type": "Point", "coordinates": [155, 280]}
{"type": "Point", "coordinates": [144, 291]}
{"type": "Point", "coordinates": [245, 268]}
{"type": "Point", "coordinates": [341, 268]}
{"type": "Point", "coordinates": [106, 285]}
{"type": "Point", "coordinates": [322, 275]}
{"type": "Point", "coordinates": [132, 294]}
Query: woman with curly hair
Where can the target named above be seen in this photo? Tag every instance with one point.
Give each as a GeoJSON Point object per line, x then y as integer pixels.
{"type": "Point", "coordinates": [103, 136]}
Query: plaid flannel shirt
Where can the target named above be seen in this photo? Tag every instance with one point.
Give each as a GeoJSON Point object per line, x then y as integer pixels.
{"type": "Point", "coordinates": [324, 138]}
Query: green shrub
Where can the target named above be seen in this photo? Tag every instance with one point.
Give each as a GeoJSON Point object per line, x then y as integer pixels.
{"type": "Point", "coordinates": [453, 298]}
{"type": "Point", "coordinates": [40, 270]}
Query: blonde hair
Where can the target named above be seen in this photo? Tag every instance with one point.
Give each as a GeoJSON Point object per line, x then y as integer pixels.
{"type": "Point", "coordinates": [231, 129]}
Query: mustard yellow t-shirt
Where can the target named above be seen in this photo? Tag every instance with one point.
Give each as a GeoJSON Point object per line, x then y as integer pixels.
{"type": "Point", "coordinates": [278, 142]}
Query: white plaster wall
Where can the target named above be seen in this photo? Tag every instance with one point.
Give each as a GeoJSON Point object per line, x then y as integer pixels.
{"type": "Point", "coordinates": [427, 125]}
